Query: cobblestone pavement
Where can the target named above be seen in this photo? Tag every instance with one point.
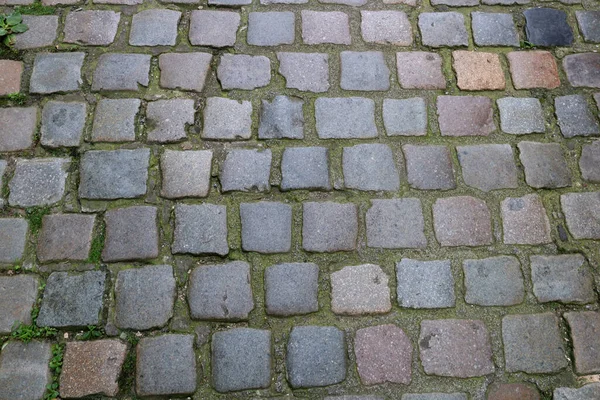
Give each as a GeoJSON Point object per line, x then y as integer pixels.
{"type": "Point", "coordinates": [322, 199]}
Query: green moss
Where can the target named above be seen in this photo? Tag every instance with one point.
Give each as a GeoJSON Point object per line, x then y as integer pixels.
{"type": "Point", "coordinates": [17, 98]}
{"type": "Point", "coordinates": [35, 216]}
{"type": "Point", "coordinates": [36, 8]}
{"type": "Point", "coordinates": [97, 245]}
{"type": "Point", "coordinates": [55, 365]}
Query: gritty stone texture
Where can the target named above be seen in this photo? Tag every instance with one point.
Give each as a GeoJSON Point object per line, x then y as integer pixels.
{"type": "Point", "coordinates": [455, 3]}
{"type": "Point", "coordinates": [42, 32]}
{"type": "Point", "coordinates": [488, 166]}
{"type": "Point", "coordinates": [533, 69]}
{"type": "Point", "coordinates": [291, 289]}
{"type": "Point", "coordinates": [524, 220]}
{"type": "Point", "coordinates": [114, 120]}
{"type": "Point", "coordinates": [360, 289]}
{"type": "Point", "coordinates": [246, 170]}
{"type": "Point", "coordinates": [521, 115]}
{"type": "Point", "coordinates": [575, 117]}
{"type": "Point", "coordinates": [241, 359]}
{"type": "Point", "coordinates": [435, 396]}
{"type": "Point", "coordinates": [364, 71]}
{"type": "Point", "coordinates": [345, 118]}
{"type": "Point", "coordinates": [94, 28]}
{"type": "Point", "coordinates": [38, 182]}
{"type": "Point", "coordinates": [118, 71]}
{"type": "Point", "coordinates": [533, 344]}
{"type": "Point", "coordinates": [429, 167]}
{"type": "Point", "coordinates": [386, 27]}
{"type": "Point", "coordinates": [564, 278]}
{"type": "Point", "coordinates": [281, 118]}
{"type": "Point", "coordinates": [117, 2]}
{"type": "Point", "coordinates": [24, 371]}
{"type": "Point", "coordinates": [10, 76]}
{"type": "Point", "coordinates": [18, 295]}
{"type": "Point", "coordinates": [214, 28]}
{"type": "Point", "coordinates": [547, 27]}
{"type": "Point", "coordinates": [585, 331]}
{"type": "Point", "coordinates": [395, 224]}
{"type": "Point", "coordinates": [494, 29]}
{"type": "Point", "coordinates": [72, 300]}
{"type": "Point", "coordinates": [226, 119]}
{"type": "Point", "coordinates": [56, 72]}
{"type": "Point", "coordinates": [370, 167]}
{"type": "Point", "coordinates": [169, 119]}
{"type": "Point", "coordinates": [220, 292]}
{"type": "Point", "coordinates": [155, 27]}
{"type": "Point", "coordinates": [582, 214]}
{"type": "Point", "coordinates": [266, 227]}
{"type": "Point", "coordinates": [587, 392]}
{"type": "Point", "coordinates": [495, 281]}
{"type": "Point", "coordinates": [405, 117]}
{"type": "Point", "coordinates": [440, 29]}
{"type": "Point", "coordinates": [17, 126]}
{"type": "Point", "coordinates": [478, 70]}
{"type": "Point", "coordinates": [589, 163]}
{"type": "Point", "coordinates": [131, 234]}
{"type": "Point", "coordinates": [462, 221]}
{"type": "Point", "coordinates": [305, 168]}
{"type": "Point", "coordinates": [456, 348]}
{"type": "Point", "coordinates": [589, 25]}
{"type": "Point", "coordinates": [200, 229]}
{"type": "Point", "coordinates": [420, 70]}
{"type": "Point", "coordinates": [425, 284]}
{"type": "Point", "coordinates": [241, 71]}
{"type": "Point", "coordinates": [465, 115]}
{"type": "Point", "coordinates": [513, 391]}
{"type": "Point", "coordinates": [271, 28]}
{"type": "Point", "coordinates": [355, 3]}
{"type": "Point", "coordinates": [230, 3]}
{"type": "Point", "coordinates": [13, 232]}
{"type": "Point", "coordinates": [545, 165]}
{"type": "Point", "coordinates": [316, 356]}
{"type": "Point", "coordinates": [319, 27]}
{"type": "Point", "coordinates": [185, 71]}
{"type": "Point", "coordinates": [307, 72]}
{"type": "Point", "coordinates": [65, 237]}
{"type": "Point", "coordinates": [329, 227]}
{"type": "Point", "coordinates": [63, 123]}
{"type": "Point", "coordinates": [185, 173]}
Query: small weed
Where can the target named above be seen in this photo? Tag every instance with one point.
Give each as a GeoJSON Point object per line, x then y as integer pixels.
{"type": "Point", "coordinates": [55, 365]}
{"type": "Point", "coordinates": [10, 25]}
{"type": "Point", "coordinates": [36, 8]}
{"type": "Point", "coordinates": [17, 98]}
{"type": "Point", "coordinates": [527, 45]}
{"type": "Point", "coordinates": [35, 216]}
{"type": "Point", "coordinates": [27, 333]}
{"type": "Point", "coordinates": [92, 333]}
{"type": "Point", "coordinates": [96, 247]}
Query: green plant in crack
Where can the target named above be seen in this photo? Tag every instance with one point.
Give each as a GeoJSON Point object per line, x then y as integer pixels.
{"type": "Point", "coordinates": [36, 8]}
{"type": "Point", "coordinates": [27, 333]}
{"type": "Point", "coordinates": [10, 25]}
{"type": "Point", "coordinates": [93, 332]}
{"type": "Point", "coordinates": [55, 365]}
{"type": "Point", "coordinates": [17, 98]}
{"type": "Point", "coordinates": [35, 216]}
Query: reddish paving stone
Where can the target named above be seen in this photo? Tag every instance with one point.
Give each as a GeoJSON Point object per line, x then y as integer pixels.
{"type": "Point", "coordinates": [465, 115]}
{"type": "Point", "coordinates": [478, 70]}
{"type": "Point", "coordinates": [462, 221]}
{"type": "Point", "coordinates": [585, 331]}
{"type": "Point", "coordinates": [420, 70]}
{"type": "Point", "coordinates": [533, 69]}
{"type": "Point", "coordinates": [10, 76]}
{"type": "Point", "coordinates": [513, 391]}
{"type": "Point", "coordinates": [65, 237]}
{"type": "Point", "coordinates": [524, 220]}
{"type": "Point", "coordinates": [583, 70]}
{"type": "Point", "coordinates": [17, 126]}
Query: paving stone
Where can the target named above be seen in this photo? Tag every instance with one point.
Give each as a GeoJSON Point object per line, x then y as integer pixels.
{"type": "Point", "coordinates": [169, 119]}
{"type": "Point", "coordinates": [494, 29]}
{"type": "Point", "coordinates": [364, 71]}
{"type": "Point", "coordinates": [166, 365]}
{"type": "Point", "coordinates": [241, 359]}
{"type": "Point", "coordinates": [185, 71]}
{"type": "Point", "coordinates": [266, 227]}
{"type": "Point", "coordinates": [563, 278]}
{"type": "Point", "coordinates": [328, 227]}
{"type": "Point", "coordinates": [281, 118]}
{"type": "Point", "coordinates": [441, 29]}
{"type": "Point", "coordinates": [456, 348]}
{"type": "Point", "coordinates": [319, 27]}
{"type": "Point", "coordinates": [533, 343]}
{"type": "Point", "coordinates": [412, 3]}
{"type": "Point", "coordinates": [505, 2]}
{"type": "Point", "coordinates": [513, 391]}
{"type": "Point", "coordinates": [56, 72]}
{"type": "Point", "coordinates": [582, 214]}
{"type": "Point", "coordinates": [355, 3]}
{"type": "Point", "coordinates": [465, 115]}
{"type": "Point", "coordinates": [13, 232]}
{"type": "Point", "coordinates": [185, 173]}
{"type": "Point", "coordinates": [478, 70]}
{"type": "Point", "coordinates": [305, 168]}
{"type": "Point", "coordinates": [405, 117]}
{"type": "Point", "coordinates": [38, 182]}
{"type": "Point", "coordinates": [229, 3]}
{"type": "Point", "coordinates": [200, 229]}
{"type": "Point", "coordinates": [114, 174]}
{"type": "Point", "coordinates": [316, 356]}
{"type": "Point", "coordinates": [95, 28]}
{"type": "Point", "coordinates": [144, 297]}
{"type": "Point", "coordinates": [10, 76]}
{"type": "Point", "coordinates": [291, 289]}
{"type": "Point", "coordinates": [345, 118]}
{"type": "Point", "coordinates": [585, 331]}
{"type": "Point", "coordinates": [425, 284]}
{"type": "Point", "coordinates": [420, 70]}
{"type": "Point", "coordinates": [42, 32]}
{"type": "Point", "coordinates": [117, 2]}
{"type": "Point", "coordinates": [271, 28]}
{"type": "Point", "coordinates": [488, 166]}
{"type": "Point", "coordinates": [114, 120]}
{"type": "Point", "coordinates": [353, 398]}
{"type": "Point", "coordinates": [155, 27]}
{"type": "Point", "coordinates": [65, 237]}
{"type": "Point", "coordinates": [533, 69]}
{"type": "Point", "coordinates": [214, 28]}
{"type": "Point", "coordinates": [18, 295]}
{"type": "Point", "coordinates": [220, 292]}
{"type": "Point", "coordinates": [370, 167]}
{"type": "Point", "coordinates": [227, 119]}
{"type": "Point", "coordinates": [386, 27]}
{"type": "Point", "coordinates": [246, 170]}
{"type": "Point", "coordinates": [435, 396]}
{"type": "Point", "coordinates": [241, 71]}
{"type": "Point", "coordinates": [494, 281]}
{"type": "Point", "coordinates": [455, 3]}
{"type": "Point", "coordinates": [360, 289]}
{"type": "Point", "coordinates": [597, 98]}
{"type": "Point", "coordinates": [131, 234]}
{"type": "Point", "coordinates": [92, 368]}
{"type": "Point", "coordinates": [462, 221]}
{"type": "Point", "coordinates": [429, 167]}
{"type": "Point", "coordinates": [545, 165]}
{"type": "Point", "coordinates": [3, 165]}
{"type": "Point", "coordinates": [587, 392]}
{"type": "Point", "coordinates": [547, 27]}
{"type": "Point", "coordinates": [589, 25]}
{"type": "Point", "coordinates": [72, 300]}
{"type": "Point", "coordinates": [24, 372]}
{"type": "Point", "coordinates": [589, 163]}
{"type": "Point", "coordinates": [524, 220]}
{"type": "Point", "coordinates": [574, 116]}
{"type": "Point", "coordinates": [17, 126]}
{"type": "Point", "coordinates": [63, 123]}
{"type": "Point", "coordinates": [396, 224]}
{"type": "Point", "coordinates": [583, 70]}
{"type": "Point", "coordinates": [305, 71]}
{"type": "Point", "coordinates": [519, 116]}
{"type": "Point", "coordinates": [118, 71]}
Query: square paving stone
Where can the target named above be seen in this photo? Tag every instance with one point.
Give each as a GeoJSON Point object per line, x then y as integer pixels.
{"type": "Point", "coordinates": [266, 227]}
{"type": "Point", "coordinates": [42, 32]}
{"type": "Point", "coordinates": [435, 396]}
{"type": "Point", "coordinates": [320, 27]}
{"type": "Point", "coordinates": [533, 69]}
{"type": "Point", "coordinates": [316, 356]}
{"type": "Point", "coordinates": [118, 71]}
{"type": "Point", "coordinates": [65, 237]}
{"type": "Point", "coordinates": [17, 126]}
{"type": "Point", "coordinates": [72, 300]}
{"type": "Point", "coordinates": [465, 115]}
{"type": "Point", "coordinates": [144, 297]}
{"type": "Point", "coordinates": [582, 213]}
{"type": "Point", "coordinates": [365, 71]}
{"type": "Point", "coordinates": [24, 372]}
{"type": "Point", "coordinates": [488, 166]}
{"type": "Point", "coordinates": [545, 165]}
{"type": "Point", "coordinates": [156, 27]}
{"type": "Point", "coordinates": [420, 70]}
{"type": "Point", "coordinates": [583, 70]}
{"type": "Point", "coordinates": [589, 25]}
{"type": "Point", "coordinates": [114, 120]}
{"type": "Point", "coordinates": [524, 220]}
{"type": "Point", "coordinates": [396, 224]}
{"type": "Point", "coordinates": [425, 284]}
{"type": "Point", "coordinates": [405, 117]}
{"type": "Point", "coordinates": [476, 70]}
{"type": "Point", "coordinates": [291, 289]}
{"type": "Point", "coordinates": [533, 344]}
{"type": "Point", "coordinates": [63, 123]}
{"type": "Point", "coordinates": [185, 71]}
{"type": "Point", "coordinates": [494, 29]}
{"type": "Point", "coordinates": [575, 117]}
{"type": "Point", "coordinates": [305, 71]}
{"type": "Point", "coordinates": [10, 76]}
{"type": "Point", "coordinates": [38, 182]}
{"type": "Point", "coordinates": [589, 163]}
{"type": "Point", "coordinates": [494, 281]}
{"type": "Point", "coordinates": [169, 119]}
{"type": "Point", "coordinates": [227, 119]}
{"type": "Point", "coordinates": [359, 290]}
{"type": "Point", "coordinates": [329, 227]}
{"type": "Point", "coordinates": [564, 278]}
{"type": "Point", "coordinates": [166, 365]}
{"type": "Point", "coordinates": [587, 392]}
{"type": "Point", "coordinates": [56, 72]}
{"type": "Point", "coordinates": [513, 391]}
{"type": "Point", "coordinates": [429, 167]}
{"type": "Point", "coordinates": [200, 229]}
{"type": "Point", "coordinates": [386, 27]}
{"type": "Point", "coordinates": [456, 348]}
{"type": "Point", "coordinates": [18, 295]}
{"type": "Point", "coordinates": [221, 292]}
{"type": "Point", "coordinates": [345, 118]}
{"type": "Point", "coordinates": [113, 174]}
{"type": "Point", "coordinates": [585, 331]}
{"type": "Point", "coordinates": [185, 173]}
{"type": "Point", "coordinates": [281, 118]}
{"type": "Point", "coordinates": [271, 28]}
{"type": "Point", "coordinates": [519, 116]}
{"type": "Point", "coordinates": [370, 167]}
{"type": "Point", "coordinates": [242, 71]}
{"type": "Point", "coordinates": [440, 29]}
{"type": "Point", "coordinates": [131, 234]}
{"type": "Point", "coordinates": [246, 170]}
{"type": "Point", "coordinates": [305, 168]}
{"type": "Point", "coordinates": [383, 354]}
{"type": "Point", "coordinates": [241, 359]}
{"type": "Point", "coordinates": [94, 28]}
{"type": "Point", "coordinates": [13, 235]}
{"type": "Point", "coordinates": [547, 27]}
{"type": "Point", "coordinates": [214, 28]}
{"type": "Point", "coordinates": [462, 221]}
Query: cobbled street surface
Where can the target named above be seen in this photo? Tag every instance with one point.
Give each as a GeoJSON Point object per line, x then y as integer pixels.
{"type": "Point", "coordinates": [320, 199]}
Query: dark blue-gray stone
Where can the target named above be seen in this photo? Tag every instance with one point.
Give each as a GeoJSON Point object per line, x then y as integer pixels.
{"type": "Point", "coordinates": [547, 27]}
{"type": "Point", "coordinates": [291, 289]}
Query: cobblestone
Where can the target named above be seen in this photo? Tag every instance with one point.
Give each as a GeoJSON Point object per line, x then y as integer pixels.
{"type": "Point", "coordinates": [38, 182]}
{"type": "Point", "coordinates": [585, 326]}
{"type": "Point", "coordinates": [118, 71]}
{"type": "Point", "coordinates": [370, 167]}
{"type": "Point", "coordinates": [114, 120]}
{"type": "Point", "coordinates": [10, 76]}
{"type": "Point", "coordinates": [186, 71]}
{"type": "Point", "coordinates": [589, 162]}
{"type": "Point", "coordinates": [42, 32]}
{"type": "Point", "coordinates": [495, 281]}
{"type": "Point", "coordinates": [214, 28]}
{"type": "Point", "coordinates": [305, 168]}
{"type": "Point", "coordinates": [547, 27]}
{"type": "Point", "coordinates": [420, 70]}
{"type": "Point", "coordinates": [17, 126]}
{"type": "Point", "coordinates": [18, 295]}
{"type": "Point", "coordinates": [13, 232]}
{"type": "Point", "coordinates": [574, 116]}
{"type": "Point", "coordinates": [246, 170]}
{"type": "Point", "coordinates": [186, 173]}
{"type": "Point", "coordinates": [154, 28]}
{"type": "Point", "coordinates": [465, 115]}
{"type": "Point", "coordinates": [329, 227]}
{"type": "Point", "coordinates": [63, 124]}
{"type": "Point", "coordinates": [244, 71]}
{"type": "Point", "coordinates": [364, 71]}
{"type": "Point", "coordinates": [386, 27]}
{"type": "Point", "coordinates": [462, 221]}
{"type": "Point", "coordinates": [582, 69]}
{"type": "Point", "coordinates": [488, 166]}
{"type": "Point", "coordinates": [169, 119]}
{"type": "Point", "coordinates": [519, 116]}
{"type": "Point", "coordinates": [478, 70]}
{"type": "Point", "coordinates": [545, 165]}
{"type": "Point", "coordinates": [589, 25]}
{"type": "Point", "coordinates": [425, 284]}
{"type": "Point", "coordinates": [226, 119]}
{"type": "Point", "coordinates": [524, 220]}
{"type": "Point", "coordinates": [586, 392]}
{"type": "Point", "coordinates": [200, 229]}
{"type": "Point", "coordinates": [24, 372]}
{"type": "Point", "coordinates": [305, 71]}
{"type": "Point", "coordinates": [360, 289]}
{"type": "Point", "coordinates": [56, 72]}
{"type": "Point", "coordinates": [271, 28]}
{"type": "Point", "coordinates": [443, 29]}
{"type": "Point", "coordinates": [291, 289]}
{"type": "Point", "coordinates": [281, 118]}
{"type": "Point", "coordinates": [320, 27]}
{"type": "Point", "coordinates": [429, 167]}
{"type": "Point", "coordinates": [266, 227]}
{"type": "Point", "coordinates": [92, 28]}
{"type": "Point", "coordinates": [533, 69]}
{"type": "Point", "coordinates": [396, 223]}
{"type": "Point", "coordinates": [345, 118]}
{"type": "Point", "coordinates": [65, 237]}
{"type": "Point", "coordinates": [494, 29]}
{"type": "Point", "coordinates": [131, 234]}
{"type": "Point", "coordinates": [406, 117]}
{"type": "Point", "coordinates": [564, 278]}
{"type": "Point", "coordinates": [513, 391]}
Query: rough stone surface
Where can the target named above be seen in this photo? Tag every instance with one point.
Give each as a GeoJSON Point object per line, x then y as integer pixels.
{"type": "Point", "coordinates": [494, 29]}
{"type": "Point", "coordinates": [169, 119]}
{"type": "Point", "coordinates": [575, 117]}
{"type": "Point", "coordinates": [425, 284]}
{"type": "Point", "coordinates": [271, 28]}
{"type": "Point", "coordinates": [320, 27]}
{"type": "Point", "coordinates": [226, 119]}
{"type": "Point", "coordinates": [56, 72]}
{"type": "Point", "coordinates": [587, 392]}
{"type": "Point", "coordinates": [281, 118]}
{"type": "Point", "coordinates": [462, 221]}
{"type": "Point", "coordinates": [214, 28]}
{"type": "Point", "coordinates": [266, 227]}
{"type": "Point", "coordinates": [519, 116]}
{"type": "Point", "coordinates": [589, 163]}
{"type": "Point", "coordinates": [435, 396]}
{"type": "Point", "coordinates": [533, 69]}
{"type": "Point", "coordinates": [495, 281]}
{"type": "Point", "coordinates": [364, 71]}
{"type": "Point", "coordinates": [155, 27]}
{"type": "Point", "coordinates": [582, 213]}
{"type": "Point", "coordinates": [305, 168]}
{"type": "Point", "coordinates": [564, 278]}
{"type": "Point", "coordinates": [440, 29]}
{"type": "Point", "coordinates": [589, 25]}
{"type": "Point", "coordinates": [63, 123]}
{"type": "Point", "coordinates": [241, 71]}
{"type": "Point", "coordinates": [305, 71]}
{"type": "Point", "coordinates": [547, 27]}
{"type": "Point", "coordinates": [185, 173]}
{"type": "Point", "coordinates": [329, 227]}
{"type": "Point", "coordinates": [395, 224]}
{"type": "Point", "coordinates": [65, 237]}
{"type": "Point", "coordinates": [38, 182]}
{"type": "Point", "coordinates": [405, 117]}
{"type": "Point", "coordinates": [585, 331]}
{"type": "Point", "coordinates": [246, 170]}
{"type": "Point", "coordinates": [478, 70]}
{"type": "Point", "coordinates": [185, 71]}
{"type": "Point", "coordinates": [386, 27]}
{"type": "Point", "coordinates": [465, 115]}
{"type": "Point", "coordinates": [13, 232]}
{"type": "Point", "coordinates": [513, 391]}
{"type": "Point", "coordinates": [545, 165]}
{"type": "Point", "coordinates": [42, 32]}
{"type": "Point", "coordinates": [131, 234]}
{"type": "Point", "coordinates": [200, 229]}
{"type": "Point", "coordinates": [93, 28]}
{"type": "Point", "coordinates": [17, 126]}
{"type": "Point", "coordinates": [24, 372]}
{"type": "Point", "coordinates": [370, 167]}
{"type": "Point", "coordinates": [420, 70]}
{"type": "Point", "coordinates": [488, 166]}
{"type": "Point", "coordinates": [114, 120]}
{"type": "Point", "coordinates": [345, 118]}
{"type": "Point", "coordinates": [18, 295]}
{"type": "Point", "coordinates": [429, 167]}
{"type": "Point", "coordinates": [524, 220]}
{"type": "Point", "coordinates": [291, 289]}
{"type": "Point", "coordinates": [360, 289]}
{"type": "Point", "coordinates": [10, 76]}
{"type": "Point", "coordinates": [118, 71]}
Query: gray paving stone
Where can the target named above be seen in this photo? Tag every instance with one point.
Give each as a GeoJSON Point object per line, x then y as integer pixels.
{"type": "Point", "coordinates": [465, 115]}
{"type": "Point", "coordinates": [56, 72]}
{"type": "Point", "coordinates": [405, 117]}
{"type": "Point", "coordinates": [144, 297]}
{"type": "Point", "coordinates": [575, 117]}
{"type": "Point", "coordinates": [590, 391]}
{"type": "Point", "coordinates": [226, 119]}
{"type": "Point", "coordinates": [185, 173]}
{"type": "Point", "coordinates": [582, 212]}
{"type": "Point", "coordinates": [533, 344]}
{"type": "Point", "coordinates": [18, 295]}
{"type": "Point", "coordinates": [169, 119]}
{"type": "Point", "coordinates": [291, 289]}
{"type": "Point", "coordinates": [131, 234]}
{"type": "Point", "coordinates": [420, 70]}
{"type": "Point", "coordinates": [220, 292]}
{"type": "Point", "coordinates": [435, 396]}
{"type": "Point", "coordinates": [246, 170]}
{"type": "Point", "coordinates": [93, 28]}
{"type": "Point", "coordinates": [320, 27]}
{"type": "Point", "coordinates": [266, 227]}
{"type": "Point", "coordinates": [13, 232]}
{"type": "Point", "coordinates": [281, 118]}
{"type": "Point", "coordinates": [229, 3]}
{"type": "Point", "coordinates": [72, 300]}
{"type": "Point", "coordinates": [582, 69]}
{"type": "Point", "coordinates": [119, 71]}
{"type": "Point", "coordinates": [269, 2]}
{"type": "Point", "coordinates": [3, 165]}
{"type": "Point", "coordinates": [494, 29]}
{"type": "Point", "coordinates": [585, 329]}
{"type": "Point", "coordinates": [271, 28]}
{"type": "Point", "coordinates": [396, 224]}
{"type": "Point", "coordinates": [494, 281]}
{"type": "Point", "coordinates": [429, 167]}
{"type": "Point", "coordinates": [488, 166]}
{"type": "Point", "coordinates": [353, 398]}
{"type": "Point", "coordinates": [370, 167]}
{"type": "Point", "coordinates": [589, 163]}
{"type": "Point", "coordinates": [42, 32]}
{"type": "Point", "coordinates": [597, 98]}
{"type": "Point", "coordinates": [425, 284]}
{"type": "Point", "coordinates": [241, 359]}
{"type": "Point", "coordinates": [63, 123]}
{"type": "Point", "coordinates": [364, 71]}
{"type": "Point", "coordinates": [166, 365]}
{"type": "Point", "coordinates": [505, 2]}
{"type": "Point", "coordinates": [305, 71]}
{"type": "Point", "coordinates": [116, 2]}
{"type": "Point", "coordinates": [200, 229]}
{"type": "Point", "coordinates": [545, 165]}
{"type": "Point", "coordinates": [155, 27]}
{"type": "Point", "coordinates": [547, 27]}
{"type": "Point", "coordinates": [17, 125]}
{"type": "Point", "coordinates": [24, 372]}
{"type": "Point", "coordinates": [214, 28]}
{"type": "Point", "coordinates": [113, 174]}
{"type": "Point", "coordinates": [329, 227]}
{"type": "Point", "coordinates": [242, 71]}
{"type": "Point", "coordinates": [360, 289]}
{"type": "Point", "coordinates": [316, 356]}
{"type": "Point", "coordinates": [519, 116]}
{"type": "Point", "coordinates": [355, 3]}
{"type": "Point", "coordinates": [65, 237]}
{"type": "Point", "coordinates": [441, 29]}
{"type": "Point", "coordinates": [563, 278]}
{"type": "Point", "coordinates": [524, 220]}
{"type": "Point", "coordinates": [114, 120]}
{"type": "Point", "coordinates": [345, 118]}
{"type": "Point", "coordinates": [589, 25]}
{"type": "Point", "coordinates": [386, 27]}
{"type": "Point", "coordinates": [305, 168]}
{"type": "Point", "coordinates": [38, 182]}
{"type": "Point", "coordinates": [455, 3]}
{"type": "Point", "coordinates": [185, 71]}
{"type": "Point", "coordinates": [462, 221]}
